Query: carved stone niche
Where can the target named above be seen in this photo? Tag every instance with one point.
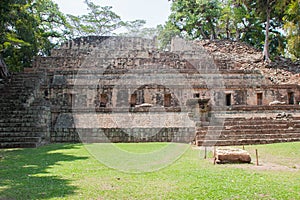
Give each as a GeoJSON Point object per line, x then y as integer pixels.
{"type": "Point", "coordinates": [198, 109]}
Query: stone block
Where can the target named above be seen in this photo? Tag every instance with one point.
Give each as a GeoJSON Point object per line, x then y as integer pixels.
{"type": "Point", "coordinates": [231, 155]}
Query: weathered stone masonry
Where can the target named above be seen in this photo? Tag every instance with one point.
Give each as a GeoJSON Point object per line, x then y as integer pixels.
{"type": "Point", "coordinates": [112, 89]}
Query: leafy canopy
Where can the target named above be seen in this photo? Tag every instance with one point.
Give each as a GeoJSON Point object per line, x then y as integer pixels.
{"type": "Point", "coordinates": [27, 29]}
{"type": "Point", "coordinates": [272, 26]}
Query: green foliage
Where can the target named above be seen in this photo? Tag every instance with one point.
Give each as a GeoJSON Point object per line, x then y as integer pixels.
{"type": "Point", "coordinates": [27, 29]}
{"type": "Point", "coordinates": [292, 28]}
{"type": "Point", "coordinates": [269, 25]}
{"type": "Point", "coordinates": [195, 18]}
{"type": "Point", "coordinates": [100, 20]}
{"type": "Point", "coordinates": [166, 34]}
{"type": "Point", "coordinates": [68, 171]}
{"type": "Point", "coordinates": [52, 25]}
{"type": "Point", "coordinates": [15, 35]}
{"type": "Point", "coordinates": [163, 34]}
{"type": "Point", "coordinates": [136, 29]}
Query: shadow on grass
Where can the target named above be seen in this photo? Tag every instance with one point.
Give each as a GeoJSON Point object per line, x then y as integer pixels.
{"type": "Point", "coordinates": [24, 173]}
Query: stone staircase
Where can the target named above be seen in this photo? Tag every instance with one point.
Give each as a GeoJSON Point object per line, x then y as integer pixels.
{"type": "Point", "coordinates": [247, 131]}
{"type": "Point", "coordinates": [23, 122]}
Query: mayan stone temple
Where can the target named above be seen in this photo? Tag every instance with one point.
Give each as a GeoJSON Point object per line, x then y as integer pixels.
{"type": "Point", "coordinates": [122, 89]}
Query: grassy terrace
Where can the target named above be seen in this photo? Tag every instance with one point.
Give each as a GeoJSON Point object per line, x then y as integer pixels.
{"type": "Point", "coordinates": [68, 171]}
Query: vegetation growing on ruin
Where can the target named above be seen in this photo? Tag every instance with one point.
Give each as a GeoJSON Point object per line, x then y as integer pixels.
{"type": "Point", "coordinates": [272, 26]}
{"type": "Point", "coordinates": [68, 171]}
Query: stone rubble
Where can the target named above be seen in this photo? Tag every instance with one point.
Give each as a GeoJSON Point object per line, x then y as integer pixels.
{"type": "Point", "coordinates": [242, 56]}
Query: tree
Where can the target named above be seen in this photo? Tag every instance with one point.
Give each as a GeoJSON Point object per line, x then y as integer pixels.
{"type": "Point", "coordinates": [195, 19]}
{"type": "Point", "coordinates": [52, 25]}
{"type": "Point", "coordinates": [136, 29]}
{"type": "Point", "coordinates": [217, 19]}
{"type": "Point", "coordinates": [168, 31]}
{"type": "Point", "coordinates": [16, 32]}
{"type": "Point", "coordinates": [261, 23]}
{"type": "Point", "coordinates": [99, 21]}
{"type": "Point", "coordinates": [292, 28]}
{"type": "Point", "coordinates": [27, 29]}
{"type": "Point", "coordinates": [237, 22]}
{"type": "Point", "coordinates": [264, 10]}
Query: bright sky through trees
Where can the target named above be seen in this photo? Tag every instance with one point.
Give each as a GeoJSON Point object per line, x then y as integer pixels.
{"type": "Point", "coordinates": [153, 11]}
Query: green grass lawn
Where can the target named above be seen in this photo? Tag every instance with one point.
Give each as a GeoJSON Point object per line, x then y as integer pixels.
{"type": "Point", "coordinates": [68, 171]}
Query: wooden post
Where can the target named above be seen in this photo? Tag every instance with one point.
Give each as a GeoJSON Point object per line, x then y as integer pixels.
{"type": "Point", "coordinates": [215, 155]}
{"type": "Point", "coordinates": [215, 151]}
{"type": "Point", "coordinates": [205, 152]}
{"type": "Point", "coordinates": [243, 147]}
{"type": "Point", "coordinates": [256, 153]}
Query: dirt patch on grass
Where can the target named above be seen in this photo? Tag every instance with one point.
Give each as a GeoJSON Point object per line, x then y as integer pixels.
{"type": "Point", "coordinates": [272, 157]}
{"type": "Point", "coordinates": [267, 166]}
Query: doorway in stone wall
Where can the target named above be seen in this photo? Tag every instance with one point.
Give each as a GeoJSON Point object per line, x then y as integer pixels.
{"type": "Point", "coordinates": [259, 98]}
{"type": "Point", "coordinates": [228, 99]}
{"type": "Point", "coordinates": [167, 100]}
{"type": "Point", "coordinates": [103, 100]}
{"type": "Point", "coordinates": [291, 98]}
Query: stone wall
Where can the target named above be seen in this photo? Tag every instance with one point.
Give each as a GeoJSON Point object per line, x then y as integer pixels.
{"type": "Point", "coordinates": [104, 135]}
{"type": "Point", "coordinates": [112, 75]}
{"type": "Point", "coordinates": [101, 89]}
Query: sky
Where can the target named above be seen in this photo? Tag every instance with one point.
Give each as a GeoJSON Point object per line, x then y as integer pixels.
{"type": "Point", "coordinates": [153, 11]}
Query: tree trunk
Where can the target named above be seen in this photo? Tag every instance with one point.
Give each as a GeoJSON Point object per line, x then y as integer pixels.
{"type": "Point", "coordinates": [266, 53]}
{"type": "Point", "coordinates": [227, 29]}
{"type": "Point", "coordinates": [204, 36]}
{"type": "Point", "coordinates": [4, 73]}
{"type": "Point", "coordinates": [213, 34]}
{"type": "Point", "coordinates": [237, 33]}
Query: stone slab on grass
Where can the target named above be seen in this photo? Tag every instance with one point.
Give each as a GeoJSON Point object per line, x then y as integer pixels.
{"type": "Point", "coordinates": [231, 155]}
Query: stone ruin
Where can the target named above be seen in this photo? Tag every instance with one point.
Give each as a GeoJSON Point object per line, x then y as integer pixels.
{"type": "Point", "coordinates": [122, 89]}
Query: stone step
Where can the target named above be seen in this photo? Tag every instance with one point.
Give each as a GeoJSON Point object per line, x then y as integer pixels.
{"type": "Point", "coordinates": [19, 113]}
{"type": "Point", "coordinates": [248, 136]}
{"type": "Point", "coordinates": [6, 117]}
{"type": "Point", "coordinates": [11, 90]}
{"type": "Point", "coordinates": [17, 123]}
{"type": "Point", "coordinates": [15, 93]}
{"type": "Point", "coordinates": [297, 125]}
{"type": "Point", "coordinates": [29, 124]}
{"type": "Point", "coordinates": [21, 134]}
{"type": "Point", "coordinates": [20, 139]}
{"type": "Point", "coordinates": [256, 122]}
{"type": "Point", "coordinates": [22, 79]}
{"type": "Point", "coordinates": [18, 118]}
{"type": "Point", "coordinates": [235, 127]}
{"type": "Point", "coordinates": [27, 119]}
{"type": "Point", "coordinates": [261, 126]}
{"type": "Point", "coordinates": [7, 145]}
{"type": "Point", "coordinates": [22, 129]}
{"type": "Point", "coordinates": [243, 141]}
{"type": "Point", "coordinates": [249, 131]}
